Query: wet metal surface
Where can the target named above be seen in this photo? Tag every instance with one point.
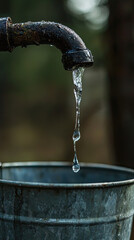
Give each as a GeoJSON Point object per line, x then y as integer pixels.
{"type": "Point", "coordinates": [75, 53]}
{"type": "Point", "coordinates": [47, 201]}
{"type": "Point", "coordinates": [4, 41]}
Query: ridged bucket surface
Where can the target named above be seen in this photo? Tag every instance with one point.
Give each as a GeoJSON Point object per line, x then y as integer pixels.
{"type": "Point", "coordinates": [47, 201]}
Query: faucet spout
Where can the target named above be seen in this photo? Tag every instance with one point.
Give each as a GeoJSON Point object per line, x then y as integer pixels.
{"type": "Point", "coordinates": [74, 52]}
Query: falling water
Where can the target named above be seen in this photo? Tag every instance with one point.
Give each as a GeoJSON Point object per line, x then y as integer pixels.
{"type": "Point", "coordinates": [77, 80]}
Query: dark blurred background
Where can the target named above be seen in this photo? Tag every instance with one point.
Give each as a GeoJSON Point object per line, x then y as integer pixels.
{"type": "Point", "coordinates": [37, 107]}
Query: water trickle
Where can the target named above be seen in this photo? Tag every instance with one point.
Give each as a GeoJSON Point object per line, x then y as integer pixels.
{"type": "Point", "coordinates": [77, 80]}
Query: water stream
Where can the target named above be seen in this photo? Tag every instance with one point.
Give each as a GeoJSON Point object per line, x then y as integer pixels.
{"type": "Point", "coordinates": [77, 81]}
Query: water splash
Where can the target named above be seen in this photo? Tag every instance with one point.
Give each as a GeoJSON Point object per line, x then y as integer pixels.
{"type": "Point", "coordinates": [77, 80]}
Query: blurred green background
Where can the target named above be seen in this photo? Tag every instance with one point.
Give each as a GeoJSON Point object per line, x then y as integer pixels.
{"type": "Point", "coordinates": [37, 106]}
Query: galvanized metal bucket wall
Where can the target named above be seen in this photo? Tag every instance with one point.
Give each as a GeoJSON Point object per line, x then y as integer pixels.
{"type": "Point", "coordinates": [47, 201]}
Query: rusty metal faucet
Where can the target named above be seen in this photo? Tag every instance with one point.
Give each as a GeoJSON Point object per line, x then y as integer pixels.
{"type": "Point", "coordinates": [74, 52]}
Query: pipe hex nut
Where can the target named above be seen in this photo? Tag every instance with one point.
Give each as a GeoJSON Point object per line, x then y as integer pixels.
{"type": "Point", "coordinates": [77, 58]}
{"type": "Point", "coordinates": [4, 41]}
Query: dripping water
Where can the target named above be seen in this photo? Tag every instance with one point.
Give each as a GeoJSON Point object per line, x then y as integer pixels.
{"type": "Point", "coordinates": [77, 81]}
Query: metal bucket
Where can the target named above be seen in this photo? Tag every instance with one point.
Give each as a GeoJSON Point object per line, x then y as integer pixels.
{"type": "Point", "coordinates": [46, 201]}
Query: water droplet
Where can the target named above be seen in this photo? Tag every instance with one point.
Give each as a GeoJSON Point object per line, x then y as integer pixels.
{"type": "Point", "coordinates": [76, 165]}
{"type": "Point", "coordinates": [76, 168]}
{"type": "Point", "coordinates": [76, 135]}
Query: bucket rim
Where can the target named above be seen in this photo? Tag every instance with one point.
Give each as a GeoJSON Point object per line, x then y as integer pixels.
{"type": "Point", "coordinates": [66, 185]}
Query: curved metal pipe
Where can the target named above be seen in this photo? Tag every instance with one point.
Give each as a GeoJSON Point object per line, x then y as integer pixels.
{"type": "Point", "coordinates": [75, 53]}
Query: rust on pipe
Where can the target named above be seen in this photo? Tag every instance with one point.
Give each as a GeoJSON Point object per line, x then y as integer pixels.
{"type": "Point", "coordinates": [74, 52]}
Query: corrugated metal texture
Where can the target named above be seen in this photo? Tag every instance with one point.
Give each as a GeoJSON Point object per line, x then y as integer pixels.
{"type": "Point", "coordinates": [49, 201]}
